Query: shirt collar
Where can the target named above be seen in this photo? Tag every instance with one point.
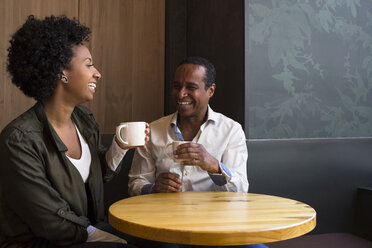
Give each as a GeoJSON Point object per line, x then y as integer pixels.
{"type": "Point", "coordinates": [82, 122]}
{"type": "Point", "coordinates": [211, 116]}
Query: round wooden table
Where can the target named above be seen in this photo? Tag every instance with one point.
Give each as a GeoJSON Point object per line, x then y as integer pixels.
{"type": "Point", "coordinates": [212, 218]}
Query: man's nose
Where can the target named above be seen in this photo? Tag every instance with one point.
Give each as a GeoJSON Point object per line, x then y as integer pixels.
{"type": "Point", "coordinates": [182, 93]}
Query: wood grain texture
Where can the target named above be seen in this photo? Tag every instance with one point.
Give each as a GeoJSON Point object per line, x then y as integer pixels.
{"type": "Point", "coordinates": [13, 13]}
{"type": "Point", "coordinates": [212, 218]}
{"type": "Point", "coordinates": [127, 46]}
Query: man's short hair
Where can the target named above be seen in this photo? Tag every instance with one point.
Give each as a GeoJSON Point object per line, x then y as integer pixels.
{"type": "Point", "coordinates": [210, 75]}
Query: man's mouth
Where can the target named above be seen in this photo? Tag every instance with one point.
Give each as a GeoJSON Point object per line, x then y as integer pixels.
{"type": "Point", "coordinates": [92, 86]}
{"type": "Point", "coordinates": [184, 102]}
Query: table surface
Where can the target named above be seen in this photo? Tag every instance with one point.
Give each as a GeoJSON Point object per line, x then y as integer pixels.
{"type": "Point", "coordinates": [212, 218]}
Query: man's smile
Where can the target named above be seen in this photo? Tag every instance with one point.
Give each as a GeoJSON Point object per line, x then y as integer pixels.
{"type": "Point", "coordinates": [183, 102]}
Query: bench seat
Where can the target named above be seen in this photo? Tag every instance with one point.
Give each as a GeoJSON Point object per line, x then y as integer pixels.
{"type": "Point", "coordinates": [328, 240]}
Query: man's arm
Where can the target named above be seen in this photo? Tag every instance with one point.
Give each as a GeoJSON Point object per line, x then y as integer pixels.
{"type": "Point", "coordinates": [142, 172]}
{"type": "Point", "coordinates": [229, 174]}
{"type": "Point", "coordinates": [235, 159]}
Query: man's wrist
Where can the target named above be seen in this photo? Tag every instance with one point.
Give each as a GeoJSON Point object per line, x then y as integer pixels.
{"type": "Point", "coordinates": [216, 168]}
{"type": "Point", "coordinates": [147, 189]}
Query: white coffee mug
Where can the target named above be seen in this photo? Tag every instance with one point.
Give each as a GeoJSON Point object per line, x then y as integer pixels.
{"type": "Point", "coordinates": [174, 145]}
{"type": "Point", "coordinates": [131, 133]}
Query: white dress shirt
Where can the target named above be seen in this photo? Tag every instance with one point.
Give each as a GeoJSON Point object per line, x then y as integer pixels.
{"type": "Point", "coordinates": [222, 137]}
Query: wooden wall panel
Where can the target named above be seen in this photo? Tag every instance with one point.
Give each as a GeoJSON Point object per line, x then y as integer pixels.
{"type": "Point", "coordinates": [13, 13]}
{"type": "Point", "coordinates": [127, 45]}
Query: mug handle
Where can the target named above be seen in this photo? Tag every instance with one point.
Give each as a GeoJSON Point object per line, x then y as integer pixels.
{"type": "Point", "coordinates": [165, 151]}
{"type": "Point", "coordinates": [118, 130]}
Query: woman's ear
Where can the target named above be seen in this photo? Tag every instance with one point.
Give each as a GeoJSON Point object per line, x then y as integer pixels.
{"type": "Point", "coordinates": [63, 76]}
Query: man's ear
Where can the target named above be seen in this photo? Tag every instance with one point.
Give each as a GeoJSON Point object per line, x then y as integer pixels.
{"type": "Point", "coordinates": [211, 89]}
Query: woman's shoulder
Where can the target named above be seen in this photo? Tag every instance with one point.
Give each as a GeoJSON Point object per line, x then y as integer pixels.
{"type": "Point", "coordinates": [25, 124]}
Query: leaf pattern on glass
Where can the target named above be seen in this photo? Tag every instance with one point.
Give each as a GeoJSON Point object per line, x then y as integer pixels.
{"type": "Point", "coordinates": [309, 68]}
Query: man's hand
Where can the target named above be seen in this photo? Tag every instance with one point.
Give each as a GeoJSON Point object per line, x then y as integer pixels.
{"type": "Point", "coordinates": [198, 157]}
{"type": "Point", "coordinates": [167, 183]}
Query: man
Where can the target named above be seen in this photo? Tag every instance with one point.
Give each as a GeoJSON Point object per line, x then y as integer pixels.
{"type": "Point", "coordinates": [218, 152]}
{"type": "Point", "coordinates": [217, 155]}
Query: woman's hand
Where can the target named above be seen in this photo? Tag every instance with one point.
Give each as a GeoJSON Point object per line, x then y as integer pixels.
{"type": "Point", "coordinates": [97, 235]}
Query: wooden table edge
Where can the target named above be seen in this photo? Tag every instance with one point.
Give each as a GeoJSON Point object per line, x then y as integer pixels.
{"type": "Point", "coordinates": [214, 238]}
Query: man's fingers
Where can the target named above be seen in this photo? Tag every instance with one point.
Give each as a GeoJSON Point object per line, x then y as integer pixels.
{"type": "Point", "coordinates": [171, 176]}
{"type": "Point", "coordinates": [191, 155]}
{"type": "Point", "coordinates": [167, 182]}
{"type": "Point", "coordinates": [166, 188]}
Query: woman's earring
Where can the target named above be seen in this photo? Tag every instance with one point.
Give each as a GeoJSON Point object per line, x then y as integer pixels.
{"type": "Point", "coordinates": [64, 78]}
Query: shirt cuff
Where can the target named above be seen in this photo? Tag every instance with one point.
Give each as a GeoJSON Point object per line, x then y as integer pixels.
{"type": "Point", "coordinates": [223, 178]}
{"type": "Point", "coordinates": [90, 229]}
{"type": "Point", "coordinates": [146, 189]}
{"type": "Point", "coordinates": [114, 155]}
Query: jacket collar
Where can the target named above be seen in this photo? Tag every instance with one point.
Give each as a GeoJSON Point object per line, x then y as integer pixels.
{"type": "Point", "coordinates": [41, 115]}
{"type": "Point", "coordinates": [85, 125]}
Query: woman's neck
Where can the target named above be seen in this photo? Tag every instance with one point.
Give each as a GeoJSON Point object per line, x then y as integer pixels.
{"type": "Point", "coordinates": [58, 114]}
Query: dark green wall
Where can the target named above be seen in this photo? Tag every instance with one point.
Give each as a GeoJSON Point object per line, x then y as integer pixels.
{"type": "Point", "coordinates": [213, 29]}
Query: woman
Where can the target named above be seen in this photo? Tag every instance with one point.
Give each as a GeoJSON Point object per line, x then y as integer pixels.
{"type": "Point", "coordinates": [52, 165]}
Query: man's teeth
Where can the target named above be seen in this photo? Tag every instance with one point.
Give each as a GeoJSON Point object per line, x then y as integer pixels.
{"type": "Point", "coordinates": [92, 85]}
{"type": "Point", "coordinates": [184, 103]}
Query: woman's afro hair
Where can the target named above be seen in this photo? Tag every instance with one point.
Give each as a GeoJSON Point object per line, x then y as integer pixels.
{"type": "Point", "coordinates": [40, 50]}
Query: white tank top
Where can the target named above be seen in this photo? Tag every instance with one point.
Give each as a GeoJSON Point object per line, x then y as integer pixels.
{"type": "Point", "coordinates": [82, 164]}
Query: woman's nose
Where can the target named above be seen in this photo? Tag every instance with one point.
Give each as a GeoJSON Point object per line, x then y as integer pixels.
{"type": "Point", "coordinates": [97, 75]}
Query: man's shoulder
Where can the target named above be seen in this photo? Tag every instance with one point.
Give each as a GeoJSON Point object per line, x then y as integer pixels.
{"type": "Point", "coordinates": [223, 120]}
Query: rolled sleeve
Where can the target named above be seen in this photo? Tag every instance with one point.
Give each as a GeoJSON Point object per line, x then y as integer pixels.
{"type": "Point", "coordinates": [114, 155]}
{"type": "Point", "coordinates": [221, 178]}
{"type": "Point", "coordinates": [235, 159]}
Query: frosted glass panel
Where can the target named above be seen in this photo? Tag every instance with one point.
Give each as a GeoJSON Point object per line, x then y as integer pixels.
{"type": "Point", "coordinates": [309, 66]}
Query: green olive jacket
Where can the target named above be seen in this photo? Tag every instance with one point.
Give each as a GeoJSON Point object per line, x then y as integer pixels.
{"type": "Point", "coordinates": [42, 195]}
